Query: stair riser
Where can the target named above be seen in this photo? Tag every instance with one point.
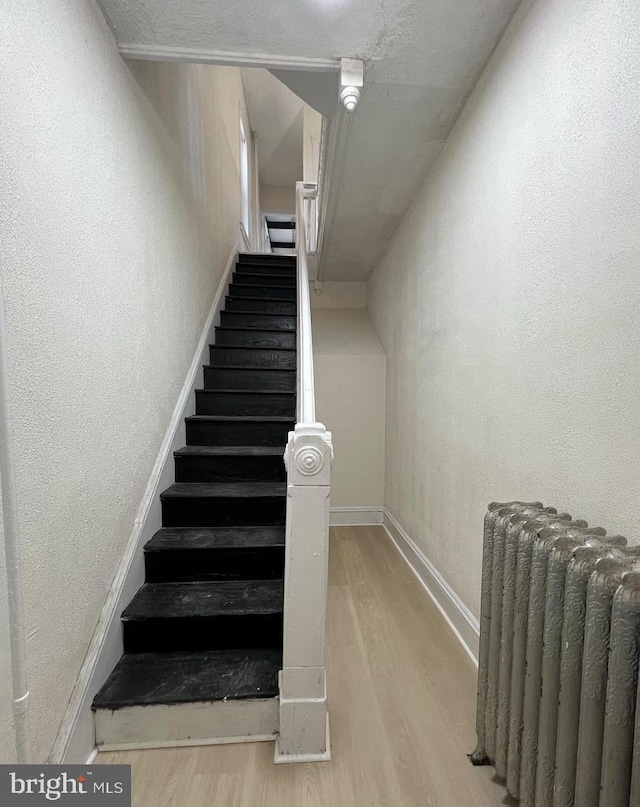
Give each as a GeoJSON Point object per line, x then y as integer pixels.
{"type": "Point", "coordinates": [201, 433]}
{"type": "Point", "coordinates": [209, 402]}
{"type": "Point", "coordinates": [255, 338]}
{"type": "Point", "coordinates": [253, 357]}
{"type": "Point", "coordinates": [270, 292]}
{"type": "Point", "coordinates": [267, 270]}
{"type": "Point", "coordinates": [187, 723]}
{"type": "Point", "coordinates": [256, 320]}
{"type": "Point", "coordinates": [267, 259]}
{"type": "Point", "coordinates": [230, 469]}
{"type": "Point", "coordinates": [287, 308]}
{"type": "Point", "coordinates": [220, 512]}
{"type": "Point", "coordinates": [238, 379]}
{"type": "Point", "coordinates": [202, 633]}
{"type": "Point", "coordinates": [214, 564]}
{"type": "Point", "coordinates": [257, 279]}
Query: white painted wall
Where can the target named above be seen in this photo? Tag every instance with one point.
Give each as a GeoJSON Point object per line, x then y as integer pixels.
{"type": "Point", "coordinates": [508, 302]}
{"type": "Point", "coordinates": [119, 205]}
{"type": "Point", "coordinates": [277, 116]}
{"type": "Point", "coordinates": [340, 294]}
{"type": "Point", "coordinates": [350, 370]}
{"type": "Point", "coordinates": [278, 199]}
{"type": "Point", "coordinates": [312, 135]}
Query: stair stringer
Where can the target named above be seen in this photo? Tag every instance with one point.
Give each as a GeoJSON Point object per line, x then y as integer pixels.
{"type": "Point", "coordinates": [75, 742]}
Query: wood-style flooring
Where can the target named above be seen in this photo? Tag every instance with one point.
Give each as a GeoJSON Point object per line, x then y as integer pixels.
{"type": "Point", "coordinates": [402, 694]}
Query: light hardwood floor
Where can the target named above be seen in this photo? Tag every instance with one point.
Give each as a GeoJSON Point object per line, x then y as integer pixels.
{"type": "Point", "coordinates": [401, 692]}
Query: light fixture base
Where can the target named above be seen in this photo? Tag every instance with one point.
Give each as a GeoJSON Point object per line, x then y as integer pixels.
{"type": "Point", "coordinates": [350, 97]}
{"type": "Point", "coordinates": [351, 80]}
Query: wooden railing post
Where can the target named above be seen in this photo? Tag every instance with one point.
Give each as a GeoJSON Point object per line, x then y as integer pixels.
{"type": "Point", "coordinates": [304, 721]}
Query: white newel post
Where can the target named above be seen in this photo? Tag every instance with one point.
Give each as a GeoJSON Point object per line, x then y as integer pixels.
{"type": "Point", "coordinates": [304, 720]}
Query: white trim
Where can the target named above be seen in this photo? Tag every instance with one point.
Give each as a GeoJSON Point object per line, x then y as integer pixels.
{"type": "Point", "coordinates": [459, 618]}
{"type": "Point", "coordinates": [255, 181]}
{"type": "Point", "coordinates": [76, 734]}
{"type": "Point", "coordinates": [355, 516]}
{"type": "Point", "coordinates": [167, 53]}
{"type": "Point", "coordinates": [142, 746]}
{"type": "Point", "coordinates": [91, 757]}
{"type": "Point", "coordinates": [244, 136]}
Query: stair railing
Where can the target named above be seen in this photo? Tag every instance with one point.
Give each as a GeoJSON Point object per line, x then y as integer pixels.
{"type": "Point", "coordinates": [304, 725]}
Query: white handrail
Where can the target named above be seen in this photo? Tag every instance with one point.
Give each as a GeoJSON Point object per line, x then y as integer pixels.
{"type": "Point", "coordinates": [306, 404]}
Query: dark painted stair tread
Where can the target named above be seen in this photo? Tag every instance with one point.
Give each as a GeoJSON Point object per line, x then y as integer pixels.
{"type": "Point", "coordinates": [260, 279]}
{"type": "Point", "coordinates": [253, 261]}
{"type": "Point", "coordinates": [228, 451]}
{"type": "Point", "coordinates": [246, 391]}
{"type": "Point", "coordinates": [271, 293]}
{"type": "Point", "coordinates": [255, 348]}
{"type": "Point", "coordinates": [259, 298]}
{"type": "Point", "coordinates": [249, 378]}
{"type": "Point", "coordinates": [255, 335]}
{"type": "Point", "coordinates": [203, 600]}
{"type": "Point", "coordinates": [240, 419]}
{"type": "Point", "coordinates": [253, 356]}
{"type": "Point", "coordinates": [243, 328]}
{"type": "Point", "coordinates": [249, 369]}
{"type": "Point", "coordinates": [265, 271]}
{"type": "Point", "coordinates": [145, 679]}
{"type": "Point", "coordinates": [261, 305]}
{"type": "Point", "coordinates": [215, 538]}
{"type": "Point", "coordinates": [260, 290]}
{"type": "Point", "coordinates": [265, 258]}
{"type": "Point", "coordinates": [245, 402]}
{"type": "Point", "coordinates": [259, 315]}
{"type": "Point", "coordinates": [224, 490]}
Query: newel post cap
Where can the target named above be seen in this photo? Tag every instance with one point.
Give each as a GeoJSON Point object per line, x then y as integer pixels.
{"type": "Point", "coordinates": [308, 455]}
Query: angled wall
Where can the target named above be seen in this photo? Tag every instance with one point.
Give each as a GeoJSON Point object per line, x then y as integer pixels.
{"type": "Point", "coordinates": [349, 365]}
{"type": "Point", "coordinates": [119, 206]}
{"type": "Point", "coordinates": [508, 301]}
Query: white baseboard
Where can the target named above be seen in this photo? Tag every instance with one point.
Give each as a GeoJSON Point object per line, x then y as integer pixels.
{"type": "Point", "coordinates": [355, 516]}
{"type": "Point", "coordinates": [459, 618]}
{"type": "Point", "coordinates": [76, 739]}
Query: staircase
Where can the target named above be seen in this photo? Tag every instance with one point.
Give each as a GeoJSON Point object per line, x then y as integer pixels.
{"type": "Point", "coordinates": [203, 636]}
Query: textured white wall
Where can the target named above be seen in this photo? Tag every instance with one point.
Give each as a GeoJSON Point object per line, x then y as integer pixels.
{"type": "Point", "coordinates": [312, 134]}
{"type": "Point", "coordinates": [119, 206]}
{"type": "Point", "coordinates": [340, 294]}
{"type": "Point", "coordinates": [509, 300]}
{"type": "Point", "coordinates": [349, 365]}
{"type": "Point", "coordinates": [278, 198]}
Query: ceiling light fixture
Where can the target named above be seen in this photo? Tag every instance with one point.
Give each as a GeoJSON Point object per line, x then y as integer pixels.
{"type": "Point", "coordinates": [351, 80]}
{"type": "Point", "coordinates": [350, 97]}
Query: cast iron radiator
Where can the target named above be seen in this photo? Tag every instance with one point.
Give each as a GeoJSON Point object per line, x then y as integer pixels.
{"type": "Point", "coordinates": [558, 664]}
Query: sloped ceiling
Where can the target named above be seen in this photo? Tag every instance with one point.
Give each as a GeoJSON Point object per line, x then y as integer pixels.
{"type": "Point", "coordinates": [276, 115]}
{"type": "Point", "coordinates": [422, 59]}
